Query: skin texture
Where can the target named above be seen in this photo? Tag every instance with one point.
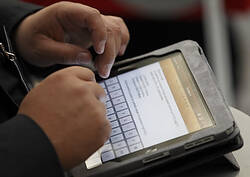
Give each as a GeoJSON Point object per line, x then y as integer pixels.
{"type": "Point", "coordinates": [69, 108]}
{"type": "Point", "coordinates": [69, 104]}
{"type": "Point", "coordinates": [63, 32]}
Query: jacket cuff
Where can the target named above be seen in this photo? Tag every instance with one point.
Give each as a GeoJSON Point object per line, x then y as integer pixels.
{"type": "Point", "coordinates": [29, 150]}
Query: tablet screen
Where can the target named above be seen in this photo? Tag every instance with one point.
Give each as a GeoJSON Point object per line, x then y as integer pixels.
{"type": "Point", "coordinates": [152, 104]}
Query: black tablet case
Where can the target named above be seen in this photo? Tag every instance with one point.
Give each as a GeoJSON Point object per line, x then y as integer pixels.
{"type": "Point", "coordinates": [178, 164]}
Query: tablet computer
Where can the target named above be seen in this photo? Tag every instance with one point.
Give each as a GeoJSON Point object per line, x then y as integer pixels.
{"type": "Point", "coordinates": [162, 106]}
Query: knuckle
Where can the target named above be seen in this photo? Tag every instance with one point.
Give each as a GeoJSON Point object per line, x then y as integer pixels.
{"type": "Point", "coordinates": [89, 73]}
{"type": "Point", "coordinates": [83, 93]}
{"type": "Point", "coordinates": [94, 13]}
{"type": "Point", "coordinates": [96, 87]}
{"type": "Point", "coordinates": [59, 76]}
{"type": "Point", "coordinates": [116, 29]}
{"type": "Point", "coordinates": [61, 5]}
{"type": "Point", "coordinates": [119, 20]}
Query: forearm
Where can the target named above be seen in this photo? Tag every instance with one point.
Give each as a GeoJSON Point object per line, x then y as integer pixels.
{"type": "Point", "coordinates": [26, 151]}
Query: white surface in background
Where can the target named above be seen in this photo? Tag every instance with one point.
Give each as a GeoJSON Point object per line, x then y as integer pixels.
{"type": "Point", "coordinates": [217, 40]}
{"type": "Point", "coordinates": [241, 32]}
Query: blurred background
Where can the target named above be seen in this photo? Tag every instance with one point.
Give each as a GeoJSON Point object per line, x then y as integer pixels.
{"type": "Point", "coordinates": [221, 27]}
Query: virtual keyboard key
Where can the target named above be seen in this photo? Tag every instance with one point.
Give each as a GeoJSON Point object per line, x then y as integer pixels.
{"type": "Point", "coordinates": [130, 133]}
{"type": "Point", "coordinates": [110, 111]}
{"type": "Point", "coordinates": [121, 106]}
{"type": "Point", "coordinates": [123, 113]}
{"type": "Point", "coordinates": [128, 126]}
{"type": "Point", "coordinates": [116, 138]}
{"type": "Point", "coordinates": [111, 81]}
{"type": "Point", "coordinates": [118, 100]}
{"type": "Point", "coordinates": [106, 147]}
{"type": "Point", "coordinates": [116, 131]}
{"type": "Point", "coordinates": [107, 98]}
{"type": "Point", "coordinates": [133, 140]}
{"type": "Point", "coordinates": [111, 117]}
{"type": "Point", "coordinates": [122, 152]}
{"type": "Point", "coordinates": [113, 87]}
{"type": "Point", "coordinates": [119, 145]}
{"type": "Point", "coordinates": [125, 120]}
{"type": "Point", "coordinates": [115, 94]}
{"type": "Point", "coordinates": [135, 147]}
{"type": "Point", "coordinates": [106, 156]}
{"type": "Point", "coordinates": [108, 104]}
{"type": "Point", "coordinates": [114, 124]}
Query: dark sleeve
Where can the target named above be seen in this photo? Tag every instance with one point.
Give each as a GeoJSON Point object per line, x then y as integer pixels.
{"type": "Point", "coordinates": [26, 151]}
{"type": "Point", "coordinates": [12, 12]}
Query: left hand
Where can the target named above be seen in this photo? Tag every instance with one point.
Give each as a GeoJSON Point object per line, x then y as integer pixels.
{"type": "Point", "coordinates": [63, 33]}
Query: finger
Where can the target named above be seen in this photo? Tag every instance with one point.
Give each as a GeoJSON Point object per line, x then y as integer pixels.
{"type": "Point", "coordinates": [98, 92]}
{"type": "Point", "coordinates": [98, 32]}
{"type": "Point", "coordinates": [125, 37]}
{"type": "Point", "coordinates": [105, 61]}
{"type": "Point", "coordinates": [90, 18]}
{"type": "Point", "coordinates": [54, 52]}
{"type": "Point", "coordinates": [81, 73]}
{"type": "Point", "coordinates": [105, 129]}
{"type": "Point", "coordinates": [79, 37]}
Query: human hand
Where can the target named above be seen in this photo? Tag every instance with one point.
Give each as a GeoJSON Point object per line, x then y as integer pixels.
{"type": "Point", "coordinates": [63, 32]}
{"type": "Point", "coordinates": [68, 106]}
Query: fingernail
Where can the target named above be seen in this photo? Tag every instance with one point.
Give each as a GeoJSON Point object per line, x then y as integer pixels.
{"type": "Point", "coordinates": [101, 47]}
{"type": "Point", "coordinates": [106, 71]}
{"type": "Point", "coordinates": [83, 58]}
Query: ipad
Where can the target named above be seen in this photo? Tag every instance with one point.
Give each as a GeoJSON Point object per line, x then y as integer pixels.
{"type": "Point", "coordinates": [160, 105]}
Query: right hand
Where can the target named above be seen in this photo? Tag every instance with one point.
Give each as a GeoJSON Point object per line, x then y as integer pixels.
{"type": "Point", "coordinates": [63, 33]}
{"type": "Point", "coordinates": [68, 106]}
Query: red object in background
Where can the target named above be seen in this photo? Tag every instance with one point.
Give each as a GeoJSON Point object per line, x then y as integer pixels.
{"type": "Point", "coordinates": [105, 6]}
{"type": "Point", "coordinates": [237, 6]}
{"type": "Point", "coordinates": [114, 7]}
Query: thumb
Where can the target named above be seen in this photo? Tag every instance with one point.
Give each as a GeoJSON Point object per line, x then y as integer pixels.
{"type": "Point", "coordinates": [53, 52]}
